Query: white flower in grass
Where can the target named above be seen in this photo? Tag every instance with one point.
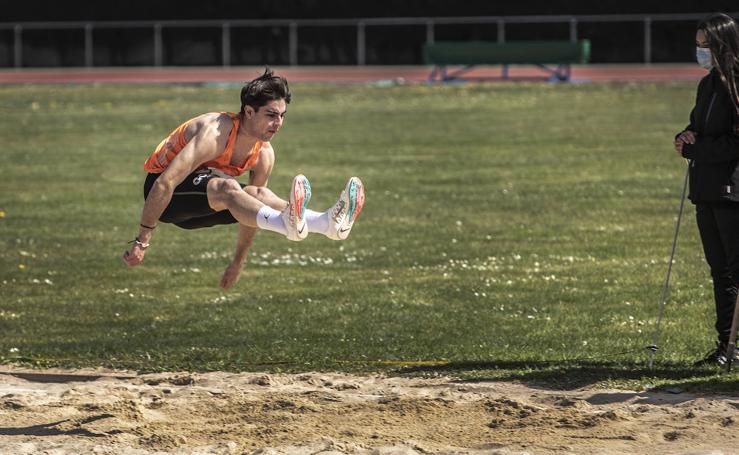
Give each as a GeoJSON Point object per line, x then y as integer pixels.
{"type": "Point", "coordinates": [13, 350]}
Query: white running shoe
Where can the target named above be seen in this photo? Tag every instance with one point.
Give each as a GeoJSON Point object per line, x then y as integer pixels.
{"type": "Point", "coordinates": [346, 210]}
{"type": "Point", "coordinates": [294, 215]}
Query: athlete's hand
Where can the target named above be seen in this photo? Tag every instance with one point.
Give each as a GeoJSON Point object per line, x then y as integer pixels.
{"type": "Point", "coordinates": [231, 275]}
{"type": "Point", "coordinates": [135, 256]}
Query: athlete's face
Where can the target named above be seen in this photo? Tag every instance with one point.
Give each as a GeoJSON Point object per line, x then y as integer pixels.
{"type": "Point", "coordinates": [265, 122]}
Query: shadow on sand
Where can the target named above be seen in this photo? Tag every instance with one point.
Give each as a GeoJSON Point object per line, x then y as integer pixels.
{"type": "Point", "coordinates": [558, 375]}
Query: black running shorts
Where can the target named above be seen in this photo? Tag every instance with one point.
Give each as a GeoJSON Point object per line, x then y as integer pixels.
{"type": "Point", "coordinates": [189, 208]}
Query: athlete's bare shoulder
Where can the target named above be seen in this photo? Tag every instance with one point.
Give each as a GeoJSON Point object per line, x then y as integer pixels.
{"type": "Point", "coordinates": [262, 169]}
{"type": "Point", "coordinates": [267, 148]}
{"type": "Point", "coordinates": [216, 123]}
{"type": "Point", "coordinates": [266, 156]}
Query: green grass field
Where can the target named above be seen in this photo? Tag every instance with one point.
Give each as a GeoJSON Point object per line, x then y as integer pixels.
{"type": "Point", "coordinates": [511, 231]}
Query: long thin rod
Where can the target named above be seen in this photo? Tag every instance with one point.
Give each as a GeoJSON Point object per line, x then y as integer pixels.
{"type": "Point", "coordinates": [731, 347]}
{"type": "Point", "coordinates": [666, 285]}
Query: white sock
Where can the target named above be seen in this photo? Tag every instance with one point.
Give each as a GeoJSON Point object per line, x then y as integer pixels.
{"type": "Point", "coordinates": [317, 222]}
{"type": "Point", "coordinates": [270, 219]}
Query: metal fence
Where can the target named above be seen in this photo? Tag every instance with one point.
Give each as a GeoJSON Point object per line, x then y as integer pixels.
{"type": "Point", "coordinates": [360, 26]}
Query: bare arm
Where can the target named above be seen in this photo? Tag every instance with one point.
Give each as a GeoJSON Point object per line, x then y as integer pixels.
{"type": "Point", "coordinates": [257, 177]}
{"type": "Point", "coordinates": [203, 146]}
{"type": "Point", "coordinates": [243, 243]}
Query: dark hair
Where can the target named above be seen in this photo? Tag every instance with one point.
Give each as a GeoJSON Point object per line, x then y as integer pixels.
{"type": "Point", "coordinates": [264, 89]}
{"type": "Point", "coordinates": [722, 35]}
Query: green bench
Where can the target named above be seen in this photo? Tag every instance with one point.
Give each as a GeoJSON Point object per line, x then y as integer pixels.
{"type": "Point", "coordinates": [553, 57]}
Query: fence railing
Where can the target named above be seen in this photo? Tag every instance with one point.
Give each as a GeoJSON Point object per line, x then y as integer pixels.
{"type": "Point", "coordinates": [360, 24]}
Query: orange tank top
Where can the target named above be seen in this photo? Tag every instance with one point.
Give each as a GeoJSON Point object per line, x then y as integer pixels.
{"type": "Point", "coordinates": [176, 141]}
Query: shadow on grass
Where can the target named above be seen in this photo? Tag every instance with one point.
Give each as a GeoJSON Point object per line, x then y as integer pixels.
{"type": "Point", "coordinates": [551, 375]}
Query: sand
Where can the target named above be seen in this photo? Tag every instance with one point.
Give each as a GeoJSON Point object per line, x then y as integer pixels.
{"type": "Point", "coordinates": [118, 412]}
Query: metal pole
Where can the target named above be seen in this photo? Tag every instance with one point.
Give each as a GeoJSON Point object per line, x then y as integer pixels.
{"type": "Point", "coordinates": [731, 347]}
{"type": "Point", "coordinates": [158, 45]}
{"type": "Point", "coordinates": [226, 44]}
{"type": "Point", "coordinates": [430, 32]}
{"type": "Point", "coordinates": [663, 299]}
{"type": "Point", "coordinates": [573, 30]}
{"type": "Point", "coordinates": [360, 44]}
{"type": "Point", "coordinates": [647, 40]}
{"type": "Point", "coordinates": [88, 46]}
{"type": "Point", "coordinates": [293, 49]}
{"type": "Point", "coordinates": [18, 46]}
{"type": "Point", "coordinates": [501, 31]}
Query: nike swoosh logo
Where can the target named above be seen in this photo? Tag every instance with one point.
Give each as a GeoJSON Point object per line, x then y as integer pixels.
{"type": "Point", "coordinates": [266, 216]}
{"type": "Point", "coordinates": [300, 231]}
{"type": "Point", "coordinates": [344, 230]}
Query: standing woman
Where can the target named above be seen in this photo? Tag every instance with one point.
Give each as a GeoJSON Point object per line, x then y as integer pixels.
{"type": "Point", "coordinates": [711, 143]}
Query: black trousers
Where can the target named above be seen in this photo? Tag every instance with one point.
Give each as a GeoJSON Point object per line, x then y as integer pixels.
{"type": "Point", "coordinates": [718, 223]}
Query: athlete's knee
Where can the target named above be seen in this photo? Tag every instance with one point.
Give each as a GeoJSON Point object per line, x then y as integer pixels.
{"type": "Point", "coordinates": [223, 187]}
{"type": "Point", "coordinates": [259, 192]}
{"type": "Point", "coordinates": [221, 192]}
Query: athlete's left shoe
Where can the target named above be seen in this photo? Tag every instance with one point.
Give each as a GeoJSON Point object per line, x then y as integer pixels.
{"type": "Point", "coordinates": [346, 210]}
{"type": "Point", "coordinates": [294, 215]}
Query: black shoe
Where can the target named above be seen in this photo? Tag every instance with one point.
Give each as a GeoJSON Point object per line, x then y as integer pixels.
{"type": "Point", "coordinates": [716, 357]}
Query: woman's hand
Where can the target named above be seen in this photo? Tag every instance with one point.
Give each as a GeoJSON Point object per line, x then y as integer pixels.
{"type": "Point", "coordinates": [686, 137]}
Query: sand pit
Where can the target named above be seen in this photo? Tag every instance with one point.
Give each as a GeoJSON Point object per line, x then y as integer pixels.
{"type": "Point", "coordinates": [106, 412]}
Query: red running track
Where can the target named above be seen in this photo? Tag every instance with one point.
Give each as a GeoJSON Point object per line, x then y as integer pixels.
{"type": "Point", "coordinates": [337, 74]}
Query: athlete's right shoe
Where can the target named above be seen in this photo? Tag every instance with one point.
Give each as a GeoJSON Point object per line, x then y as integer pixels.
{"type": "Point", "coordinates": [346, 210]}
{"type": "Point", "coordinates": [294, 215]}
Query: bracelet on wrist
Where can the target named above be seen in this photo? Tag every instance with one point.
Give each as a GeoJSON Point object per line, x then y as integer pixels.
{"type": "Point", "coordinates": [142, 245]}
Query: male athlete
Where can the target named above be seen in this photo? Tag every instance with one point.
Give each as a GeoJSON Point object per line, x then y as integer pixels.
{"type": "Point", "coordinates": [191, 179]}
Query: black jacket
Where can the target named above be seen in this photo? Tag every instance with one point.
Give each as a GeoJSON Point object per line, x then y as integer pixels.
{"type": "Point", "coordinates": [714, 170]}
